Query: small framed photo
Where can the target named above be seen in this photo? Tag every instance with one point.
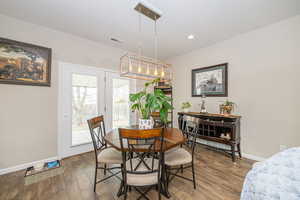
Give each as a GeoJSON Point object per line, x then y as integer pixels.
{"type": "Point", "coordinates": [24, 64]}
{"type": "Point", "coordinates": [210, 81]}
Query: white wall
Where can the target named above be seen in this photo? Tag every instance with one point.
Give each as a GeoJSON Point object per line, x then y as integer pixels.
{"type": "Point", "coordinates": [28, 114]}
{"type": "Point", "coordinates": [263, 70]}
{"type": "Point", "coordinates": [264, 66]}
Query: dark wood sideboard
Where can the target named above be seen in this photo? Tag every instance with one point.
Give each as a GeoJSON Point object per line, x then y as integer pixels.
{"type": "Point", "coordinates": [217, 128]}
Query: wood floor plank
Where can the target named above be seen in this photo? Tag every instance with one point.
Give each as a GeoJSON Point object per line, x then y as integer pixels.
{"type": "Point", "coordinates": [217, 179]}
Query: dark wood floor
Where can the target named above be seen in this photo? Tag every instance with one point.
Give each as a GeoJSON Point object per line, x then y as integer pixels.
{"type": "Point", "coordinates": [217, 179]}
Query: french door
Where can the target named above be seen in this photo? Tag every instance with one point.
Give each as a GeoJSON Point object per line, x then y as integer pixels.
{"type": "Point", "coordinates": [117, 108]}
{"type": "Point", "coordinates": [86, 92]}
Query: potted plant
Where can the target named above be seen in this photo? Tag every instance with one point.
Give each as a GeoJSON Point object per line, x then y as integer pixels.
{"type": "Point", "coordinates": [148, 101]}
{"type": "Point", "coordinates": [185, 106]}
{"type": "Point", "coordinates": [227, 107]}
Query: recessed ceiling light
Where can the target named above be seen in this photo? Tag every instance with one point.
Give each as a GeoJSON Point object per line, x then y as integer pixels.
{"type": "Point", "coordinates": [191, 37]}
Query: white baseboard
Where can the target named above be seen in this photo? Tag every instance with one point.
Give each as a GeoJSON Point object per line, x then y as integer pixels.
{"type": "Point", "coordinates": [253, 157]}
{"type": "Point", "coordinates": [218, 145]}
{"type": "Point", "coordinates": [25, 165]}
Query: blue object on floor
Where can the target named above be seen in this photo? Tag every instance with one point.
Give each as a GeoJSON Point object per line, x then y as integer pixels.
{"type": "Point", "coordinates": [53, 164]}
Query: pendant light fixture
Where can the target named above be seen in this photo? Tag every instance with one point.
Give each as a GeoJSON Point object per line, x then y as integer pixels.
{"type": "Point", "coordinates": [138, 66]}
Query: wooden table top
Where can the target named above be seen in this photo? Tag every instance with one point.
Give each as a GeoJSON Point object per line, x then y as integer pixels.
{"type": "Point", "coordinates": [172, 137]}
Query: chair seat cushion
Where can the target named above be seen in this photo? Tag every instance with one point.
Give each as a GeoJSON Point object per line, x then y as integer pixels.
{"type": "Point", "coordinates": [110, 156]}
{"type": "Point", "coordinates": [178, 157]}
{"type": "Point", "coordinates": [145, 179]}
{"type": "Point", "coordinates": [172, 149]}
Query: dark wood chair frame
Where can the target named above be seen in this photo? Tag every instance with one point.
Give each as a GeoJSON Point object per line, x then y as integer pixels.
{"type": "Point", "coordinates": [137, 140]}
{"type": "Point", "coordinates": [99, 145]}
{"type": "Point", "coordinates": [190, 131]}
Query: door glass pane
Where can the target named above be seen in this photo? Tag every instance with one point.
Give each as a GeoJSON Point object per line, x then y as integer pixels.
{"type": "Point", "coordinates": [84, 106]}
{"type": "Point", "coordinates": [121, 110]}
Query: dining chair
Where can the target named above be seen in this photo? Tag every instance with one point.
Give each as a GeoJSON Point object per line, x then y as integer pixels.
{"type": "Point", "coordinates": [142, 159]}
{"type": "Point", "coordinates": [180, 158]}
{"type": "Point", "coordinates": [181, 124]}
{"type": "Point", "coordinates": [104, 155]}
{"type": "Point", "coordinates": [185, 126]}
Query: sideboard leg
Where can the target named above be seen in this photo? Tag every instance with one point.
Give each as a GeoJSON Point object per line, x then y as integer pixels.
{"type": "Point", "coordinates": [233, 152]}
{"type": "Point", "coordinates": [239, 149]}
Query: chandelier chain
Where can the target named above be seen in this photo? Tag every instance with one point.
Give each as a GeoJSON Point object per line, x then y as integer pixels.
{"type": "Point", "coordinates": [140, 34]}
{"type": "Point", "coordinates": [156, 41]}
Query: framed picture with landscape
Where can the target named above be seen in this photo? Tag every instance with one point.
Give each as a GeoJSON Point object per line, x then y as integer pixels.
{"type": "Point", "coordinates": [210, 81]}
{"type": "Point", "coordinates": [24, 64]}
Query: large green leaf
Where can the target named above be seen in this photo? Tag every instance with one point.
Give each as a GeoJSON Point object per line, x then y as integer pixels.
{"type": "Point", "coordinates": [135, 106]}
{"type": "Point", "coordinates": [148, 101]}
{"type": "Point", "coordinates": [167, 105]}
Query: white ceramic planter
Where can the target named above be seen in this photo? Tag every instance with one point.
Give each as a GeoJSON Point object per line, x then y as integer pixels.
{"type": "Point", "coordinates": [186, 110]}
{"type": "Point", "coordinates": [146, 123]}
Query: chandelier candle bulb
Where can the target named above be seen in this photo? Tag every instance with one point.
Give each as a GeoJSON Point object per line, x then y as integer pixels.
{"type": "Point", "coordinates": [162, 73]}
{"type": "Point", "coordinates": [155, 73]}
{"type": "Point", "coordinates": [130, 66]}
{"type": "Point", "coordinates": [149, 68]}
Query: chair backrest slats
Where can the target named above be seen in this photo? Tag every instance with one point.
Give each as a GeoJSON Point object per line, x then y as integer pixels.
{"type": "Point", "coordinates": [97, 131]}
{"type": "Point", "coordinates": [191, 128]}
{"type": "Point", "coordinates": [144, 149]}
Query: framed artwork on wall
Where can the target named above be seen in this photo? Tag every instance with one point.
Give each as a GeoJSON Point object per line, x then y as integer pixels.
{"type": "Point", "coordinates": [210, 81]}
{"type": "Point", "coordinates": [24, 64]}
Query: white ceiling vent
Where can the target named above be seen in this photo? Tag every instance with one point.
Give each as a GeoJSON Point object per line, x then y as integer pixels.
{"type": "Point", "coordinates": [116, 40]}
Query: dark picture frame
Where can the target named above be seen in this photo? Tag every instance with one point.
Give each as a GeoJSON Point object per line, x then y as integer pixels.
{"type": "Point", "coordinates": [210, 81]}
{"type": "Point", "coordinates": [24, 64]}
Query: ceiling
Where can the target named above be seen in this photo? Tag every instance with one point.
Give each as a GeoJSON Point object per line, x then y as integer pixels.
{"type": "Point", "coordinates": [210, 21]}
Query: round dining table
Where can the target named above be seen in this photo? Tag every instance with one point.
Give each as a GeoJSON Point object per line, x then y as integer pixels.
{"type": "Point", "coordinates": [173, 137]}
